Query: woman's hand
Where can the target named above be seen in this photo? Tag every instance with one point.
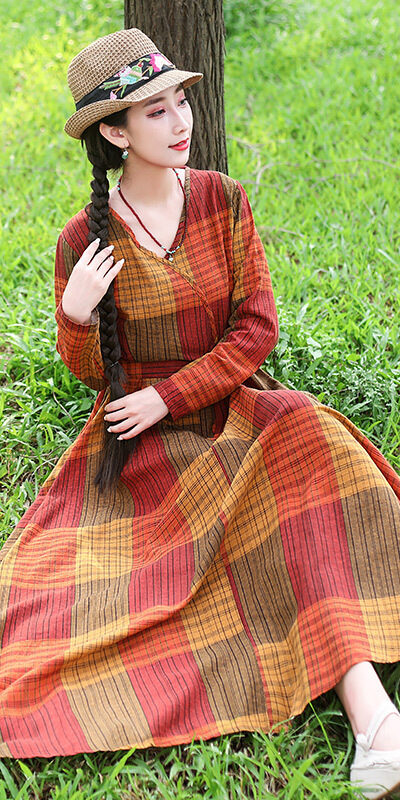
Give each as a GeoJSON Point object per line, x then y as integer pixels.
{"type": "Point", "coordinates": [88, 282]}
{"type": "Point", "coordinates": [140, 409]}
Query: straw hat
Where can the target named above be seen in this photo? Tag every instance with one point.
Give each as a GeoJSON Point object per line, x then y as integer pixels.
{"type": "Point", "coordinates": [115, 71]}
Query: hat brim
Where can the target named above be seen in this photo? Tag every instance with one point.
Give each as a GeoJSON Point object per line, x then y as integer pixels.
{"type": "Point", "coordinates": [81, 120]}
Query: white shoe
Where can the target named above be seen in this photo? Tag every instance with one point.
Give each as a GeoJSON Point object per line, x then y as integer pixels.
{"type": "Point", "coordinates": [376, 773]}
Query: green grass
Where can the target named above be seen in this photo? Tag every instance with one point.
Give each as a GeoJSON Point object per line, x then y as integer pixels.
{"type": "Point", "coordinates": [311, 113]}
{"type": "Point", "coordinates": [314, 135]}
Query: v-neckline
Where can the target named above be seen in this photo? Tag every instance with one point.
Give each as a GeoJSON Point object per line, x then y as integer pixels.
{"type": "Point", "coordinates": [129, 230]}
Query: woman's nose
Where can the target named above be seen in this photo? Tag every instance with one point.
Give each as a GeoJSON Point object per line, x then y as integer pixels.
{"type": "Point", "coordinates": [181, 120]}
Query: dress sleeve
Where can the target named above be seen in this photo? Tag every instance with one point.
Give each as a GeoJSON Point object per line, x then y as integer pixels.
{"type": "Point", "coordinates": [252, 328]}
{"type": "Point", "coordinates": [78, 345]}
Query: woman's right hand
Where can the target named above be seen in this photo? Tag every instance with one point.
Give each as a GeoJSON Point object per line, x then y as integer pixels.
{"type": "Point", "coordinates": [88, 282]}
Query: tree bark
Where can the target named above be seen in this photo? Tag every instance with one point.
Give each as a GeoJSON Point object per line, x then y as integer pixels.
{"type": "Point", "coordinates": [191, 33]}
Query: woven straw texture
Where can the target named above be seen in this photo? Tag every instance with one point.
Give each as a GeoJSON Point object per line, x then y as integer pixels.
{"type": "Point", "coordinates": [105, 57]}
{"type": "Point", "coordinates": [248, 555]}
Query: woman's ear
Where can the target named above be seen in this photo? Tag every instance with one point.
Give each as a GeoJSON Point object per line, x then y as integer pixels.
{"type": "Point", "coordinates": [113, 134]}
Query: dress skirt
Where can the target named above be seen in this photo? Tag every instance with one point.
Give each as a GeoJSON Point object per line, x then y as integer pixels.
{"type": "Point", "coordinates": [249, 553]}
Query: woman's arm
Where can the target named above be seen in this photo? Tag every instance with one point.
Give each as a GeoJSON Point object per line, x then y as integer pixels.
{"type": "Point", "coordinates": [251, 333]}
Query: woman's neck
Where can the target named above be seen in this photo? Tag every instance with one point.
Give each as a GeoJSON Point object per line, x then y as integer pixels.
{"type": "Point", "coordinates": [148, 184]}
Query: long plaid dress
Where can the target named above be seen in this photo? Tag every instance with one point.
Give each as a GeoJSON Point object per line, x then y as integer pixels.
{"type": "Point", "coordinates": [247, 557]}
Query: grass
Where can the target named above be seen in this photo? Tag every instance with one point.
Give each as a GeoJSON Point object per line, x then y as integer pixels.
{"type": "Point", "coordinates": [311, 113]}
{"type": "Point", "coordinates": [314, 136]}
{"type": "Point", "coordinates": [238, 766]}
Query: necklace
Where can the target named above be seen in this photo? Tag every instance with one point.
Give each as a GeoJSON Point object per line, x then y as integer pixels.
{"type": "Point", "coordinates": [170, 252]}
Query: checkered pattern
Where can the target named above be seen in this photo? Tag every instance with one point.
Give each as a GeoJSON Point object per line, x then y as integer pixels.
{"type": "Point", "coordinates": [249, 554]}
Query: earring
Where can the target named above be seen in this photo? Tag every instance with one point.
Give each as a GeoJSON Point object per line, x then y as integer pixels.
{"type": "Point", "coordinates": [124, 153]}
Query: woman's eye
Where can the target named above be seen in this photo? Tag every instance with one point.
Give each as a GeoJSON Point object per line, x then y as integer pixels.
{"type": "Point", "coordinates": [157, 113]}
{"type": "Point", "coordinates": [161, 110]}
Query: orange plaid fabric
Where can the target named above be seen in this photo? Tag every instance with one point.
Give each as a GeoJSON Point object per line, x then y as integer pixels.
{"type": "Point", "coordinates": [247, 557]}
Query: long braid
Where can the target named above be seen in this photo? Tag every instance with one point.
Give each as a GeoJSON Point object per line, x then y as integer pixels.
{"type": "Point", "coordinates": [116, 452]}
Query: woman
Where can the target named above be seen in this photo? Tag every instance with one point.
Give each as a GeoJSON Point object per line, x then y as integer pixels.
{"type": "Point", "coordinates": [207, 556]}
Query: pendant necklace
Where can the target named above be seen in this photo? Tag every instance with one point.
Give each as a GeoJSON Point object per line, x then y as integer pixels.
{"type": "Point", "coordinates": [170, 252]}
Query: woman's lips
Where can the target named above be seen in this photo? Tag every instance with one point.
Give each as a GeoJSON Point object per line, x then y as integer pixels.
{"type": "Point", "coordinates": [181, 145]}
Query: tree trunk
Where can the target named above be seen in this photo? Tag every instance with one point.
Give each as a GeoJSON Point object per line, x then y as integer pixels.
{"type": "Point", "coordinates": [191, 33]}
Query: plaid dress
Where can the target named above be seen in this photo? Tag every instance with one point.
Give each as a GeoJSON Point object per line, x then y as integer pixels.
{"type": "Point", "coordinates": [249, 553]}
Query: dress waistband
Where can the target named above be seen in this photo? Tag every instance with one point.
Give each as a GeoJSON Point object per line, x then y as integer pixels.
{"type": "Point", "coordinates": [144, 373]}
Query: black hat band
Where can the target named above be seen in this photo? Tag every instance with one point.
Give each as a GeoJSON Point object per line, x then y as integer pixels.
{"type": "Point", "coordinates": [127, 79]}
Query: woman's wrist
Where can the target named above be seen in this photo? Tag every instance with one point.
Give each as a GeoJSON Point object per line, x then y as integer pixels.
{"type": "Point", "coordinates": [79, 319]}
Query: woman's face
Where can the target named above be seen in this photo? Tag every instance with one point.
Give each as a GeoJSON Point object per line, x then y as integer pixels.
{"type": "Point", "coordinates": [156, 124]}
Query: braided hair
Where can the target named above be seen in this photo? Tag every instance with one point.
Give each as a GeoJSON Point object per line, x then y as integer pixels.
{"type": "Point", "coordinates": [105, 156]}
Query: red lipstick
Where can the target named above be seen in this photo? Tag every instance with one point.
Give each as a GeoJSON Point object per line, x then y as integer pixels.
{"type": "Point", "coordinates": [181, 145]}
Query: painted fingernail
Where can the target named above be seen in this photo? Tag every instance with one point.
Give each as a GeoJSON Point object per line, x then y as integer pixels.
{"type": "Point", "coordinates": [109, 430]}
{"type": "Point", "coordinates": [120, 438]}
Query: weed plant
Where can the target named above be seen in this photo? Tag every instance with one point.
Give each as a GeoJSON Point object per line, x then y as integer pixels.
{"type": "Point", "coordinates": [311, 112]}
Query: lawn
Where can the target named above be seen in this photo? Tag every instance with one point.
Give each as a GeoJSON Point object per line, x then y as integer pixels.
{"type": "Point", "coordinates": [311, 100]}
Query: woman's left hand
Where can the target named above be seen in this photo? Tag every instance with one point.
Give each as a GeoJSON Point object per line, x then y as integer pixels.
{"type": "Point", "coordinates": [140, 409]}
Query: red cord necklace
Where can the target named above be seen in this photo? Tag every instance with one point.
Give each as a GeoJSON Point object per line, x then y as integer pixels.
{"type": "Point", "coordinates": [170, 252]}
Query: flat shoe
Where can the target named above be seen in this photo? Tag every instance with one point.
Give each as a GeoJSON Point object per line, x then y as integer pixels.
{"type": "Point", "coordinates": [376, 773]}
